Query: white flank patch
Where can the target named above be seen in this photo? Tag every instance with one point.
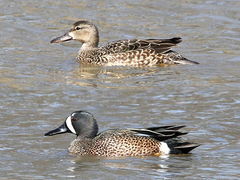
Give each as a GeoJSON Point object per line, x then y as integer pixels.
{"type": "Point", "coordinates": [164, 148]}
{"type": "Point", "coordinates": [69, 125]}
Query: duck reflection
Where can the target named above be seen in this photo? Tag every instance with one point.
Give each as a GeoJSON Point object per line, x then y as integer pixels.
{"type": "Point", "coordinates": [115, 77]}
{"type": "Point", "coordinates": [161, 166]}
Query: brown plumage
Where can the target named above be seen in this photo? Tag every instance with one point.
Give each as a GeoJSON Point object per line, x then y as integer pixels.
{"type": "Point", "coordinates": [154, 141]}
{"type": "Point", "coordinates": [133, 52]}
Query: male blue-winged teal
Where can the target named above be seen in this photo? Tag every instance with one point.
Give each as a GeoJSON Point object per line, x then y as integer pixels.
{"type": "Point", "coordinates": [135, 52]}
{"type": "Point", "coordinates": [153, 141]}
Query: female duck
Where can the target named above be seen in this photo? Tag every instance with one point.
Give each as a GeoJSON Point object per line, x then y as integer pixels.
{"type": "Point", "coordinates": [135, 52]}
{"type": "Point", "coordinates": [154, 141]}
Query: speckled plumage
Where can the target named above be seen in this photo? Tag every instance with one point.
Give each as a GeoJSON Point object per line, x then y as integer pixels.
{"type": "Point", "coordinates": [116, 143]}
{"type": "Point", "coordinates": [154, 141]}
{"type": "Point", "coordinates": [135, 52]}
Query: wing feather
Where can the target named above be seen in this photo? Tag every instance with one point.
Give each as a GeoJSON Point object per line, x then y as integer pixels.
{"type": "Point", "coordinates": [159, 45]}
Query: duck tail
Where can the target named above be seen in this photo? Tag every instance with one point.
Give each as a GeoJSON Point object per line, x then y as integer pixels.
{"type": "Point", "coordinates": [184, 60]}
{"type": "Point", "coordinates": [178, 58]}
{"type": "Point", "coordinates": [178, 147]}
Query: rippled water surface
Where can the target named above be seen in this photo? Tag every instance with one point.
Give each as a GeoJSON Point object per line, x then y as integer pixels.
{"type": "Point", "coordinates": [41, 84]}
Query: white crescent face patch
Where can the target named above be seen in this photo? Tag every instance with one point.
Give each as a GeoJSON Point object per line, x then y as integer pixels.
{"type": "Point", "coordinates": [69, 125]}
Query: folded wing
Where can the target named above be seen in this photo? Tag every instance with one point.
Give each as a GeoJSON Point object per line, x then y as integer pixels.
{"type": "Point", "coordinates": [159, 45]}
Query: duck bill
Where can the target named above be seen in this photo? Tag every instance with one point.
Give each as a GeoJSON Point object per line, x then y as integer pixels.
{"type": "Point", "coordinates": [60, 130]}
{"type": "Point", "coordinates": [63, 38]}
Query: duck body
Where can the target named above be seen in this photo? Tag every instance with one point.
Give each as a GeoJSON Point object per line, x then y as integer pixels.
{"type": "Point", "coordinates": [135, 52]}
{"type": "Point", "coordinates": [153, 141]}
{"type": "Point", "coordinates": [115, 142]}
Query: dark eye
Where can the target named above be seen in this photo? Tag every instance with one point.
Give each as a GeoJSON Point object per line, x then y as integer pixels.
{"type": "Point", "coordinates": [78, 28]}
{"type": "Point", "coordinates": [73, 119]}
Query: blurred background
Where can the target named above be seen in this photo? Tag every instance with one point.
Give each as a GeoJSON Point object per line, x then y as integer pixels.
{"type": "Point", "coordinates": [41, 84]}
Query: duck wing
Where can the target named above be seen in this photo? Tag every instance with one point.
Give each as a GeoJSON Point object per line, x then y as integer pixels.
{"type": "Point", "coordinates": [159, 45]}
{"type": "Point", "coordinates": [160, 133]}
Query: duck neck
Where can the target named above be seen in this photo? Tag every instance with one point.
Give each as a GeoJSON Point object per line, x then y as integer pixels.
{"type": "Point", "coordinates": [88, 130]}
{"type": "Point", "coordinates": [92, 42]}
{"type": "Point", "coordinates": [89, 46]}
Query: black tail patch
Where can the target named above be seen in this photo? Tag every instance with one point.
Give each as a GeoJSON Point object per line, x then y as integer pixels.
{"type": "Point", "coordinates": [183, 148]}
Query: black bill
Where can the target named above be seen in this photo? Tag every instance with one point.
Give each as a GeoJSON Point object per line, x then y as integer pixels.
{"type": "Point", "coordinates": [60, 130]}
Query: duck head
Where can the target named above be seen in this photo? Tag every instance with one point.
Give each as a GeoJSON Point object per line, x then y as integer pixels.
{"type": "Point", "coordinates": [83, 31]}
{"type": "Point", "coordinates": [80, 123]}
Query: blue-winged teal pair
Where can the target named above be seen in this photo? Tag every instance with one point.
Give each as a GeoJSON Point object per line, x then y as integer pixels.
{"type": "Point", "coordinates": [135, 52]}
{"type": "Point", "coordinates": [153, 141]}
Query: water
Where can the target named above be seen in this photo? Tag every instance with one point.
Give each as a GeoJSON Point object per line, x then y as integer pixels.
{"type": "Point", "coordinates": [41, 84]}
